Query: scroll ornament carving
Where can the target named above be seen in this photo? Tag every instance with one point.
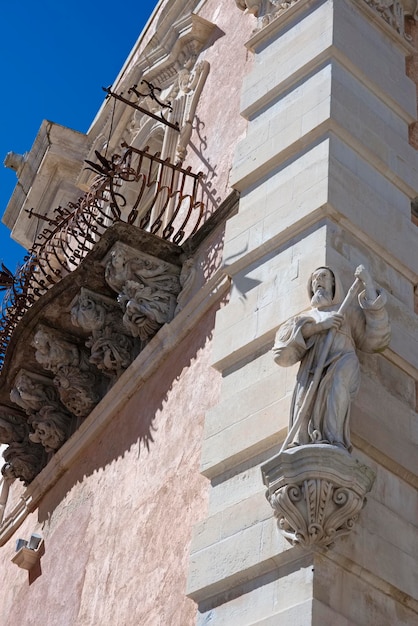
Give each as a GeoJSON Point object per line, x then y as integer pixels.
{"type": "Point", "coordinates": [187, 281]}
{"type": "Point", "coordinates": [111, 349]}
{"type": "Point", "coordinates": [47, 417]}
{"type": "Point", "coordinates": [147, 290]}
{"type": "Point", "coordinates": [324, 339]}
{"type": "Point", "coordinates": [78, 386]}
{"type": "Point", "coordinates": [316, 492]}
{"type": "Point", "coordinates": [394, 12]}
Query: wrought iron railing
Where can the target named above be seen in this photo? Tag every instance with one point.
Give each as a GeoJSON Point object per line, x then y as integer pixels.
{"type": "Point", "coordinates": [135, 187]}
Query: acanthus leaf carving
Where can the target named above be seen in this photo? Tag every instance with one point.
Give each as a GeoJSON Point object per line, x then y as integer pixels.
{"type": "Point", "coordinates": [316, 492]}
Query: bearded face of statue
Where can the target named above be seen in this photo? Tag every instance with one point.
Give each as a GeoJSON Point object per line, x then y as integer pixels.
{"type": "Point", "coordinates": [322, 287]}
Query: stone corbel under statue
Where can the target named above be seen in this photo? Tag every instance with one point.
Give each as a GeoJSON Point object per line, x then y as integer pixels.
{"type": "Point", "coordinates": [314, 485]}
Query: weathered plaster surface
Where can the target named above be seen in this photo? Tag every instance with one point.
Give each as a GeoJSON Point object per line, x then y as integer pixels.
{"type": "Point", "coordinates": [117, 528]}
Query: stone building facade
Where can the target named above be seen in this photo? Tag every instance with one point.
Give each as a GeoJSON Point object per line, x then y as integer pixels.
{"type": "Point", "coordinates": [142, 415]}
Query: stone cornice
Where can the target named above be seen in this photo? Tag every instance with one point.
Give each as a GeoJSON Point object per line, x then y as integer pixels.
{"type": "Point", "coordinates": [283, 18]}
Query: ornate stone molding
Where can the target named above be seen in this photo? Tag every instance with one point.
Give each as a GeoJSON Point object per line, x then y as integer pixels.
{"type": "Point", "coordinates": [393, 12]}
{"type": "Point", "coordinates": [111, 349]}
{"type": "Point", "coordinates": [316, 492]}
{"type": "Point", "coordinates": [147, 289]}
{"type": "Point", "coordinates": [78, 386]}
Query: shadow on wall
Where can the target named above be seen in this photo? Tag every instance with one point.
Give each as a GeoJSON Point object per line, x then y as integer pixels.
{"type": "Point", "coordinates": [135, 424]}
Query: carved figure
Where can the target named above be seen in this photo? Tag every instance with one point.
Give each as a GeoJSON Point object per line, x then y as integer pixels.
{"type": "Point", "coordinates": [147, 290]}
{"type": "Point", "coordinates": [249, 6]}
{"type": "Point", "coordinates": [111, 349]}
{"type": "Point", "coordinates": [25, 459]}
{"type": "Point", "coordinates": [154, 274]}
{"type": "Point", "coordinates": [78, 387]}
{"type": "Point", "coordinates": [146, 309]}
{"type": "Point", "coordinates": [12, 427]}
{"type": "Point", "coordinates": [8, 477]}
{"type": "Point", "coordinates": [31, 394]}
{"type": "Point", "coordinates": [51, 428]}
{"type": "Point", "coordinates": [324, 339]}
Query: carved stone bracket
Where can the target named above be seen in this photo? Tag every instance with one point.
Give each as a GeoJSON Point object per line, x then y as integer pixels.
{"type": "Point", "coordinates": [147, 289]}
{"type": "Point", "coordinates": [23, 458]}
{"type": "Point", "coordinates": [317, 492]}
{"type": "Point", "coordinates": [50, 422]}
{"type": "Point", "coordinates": [393, 12]}
{"type": "Point", "coordinates": [112, 349]}
{"type": "Point", "coordinates": [79, 388]}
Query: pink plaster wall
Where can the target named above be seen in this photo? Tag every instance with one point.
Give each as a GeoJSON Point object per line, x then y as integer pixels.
{"type": "Point", "coordinates": [118, 527]}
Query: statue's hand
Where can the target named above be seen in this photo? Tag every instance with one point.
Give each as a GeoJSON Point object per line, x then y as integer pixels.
{"type": "Point", "coordinates": [363, 275]}
{"type": "Point", "coordinates": [366, 279]}
{"type": "Point", "coordinates": [334, 320]}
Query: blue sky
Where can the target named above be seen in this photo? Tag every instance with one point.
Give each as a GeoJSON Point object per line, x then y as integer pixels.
{"type": "Point", "coordinates": [55, 57]}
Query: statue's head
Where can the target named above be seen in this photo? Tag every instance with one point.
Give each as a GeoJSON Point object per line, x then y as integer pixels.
{"type": "Point", "coordinates": [322, 287]}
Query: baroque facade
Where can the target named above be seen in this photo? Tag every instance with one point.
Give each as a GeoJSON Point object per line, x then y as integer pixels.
{"type": "Point", "coordinates": [159, 468]}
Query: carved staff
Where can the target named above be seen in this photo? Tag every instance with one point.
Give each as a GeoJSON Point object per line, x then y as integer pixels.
{"type": "Point", "coordinates": [307, 401]}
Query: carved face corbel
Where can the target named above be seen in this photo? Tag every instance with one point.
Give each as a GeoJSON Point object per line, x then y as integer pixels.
{"type": "Point", "coordinates": [112, 349]}
{"type": "Point", "coordinates": [147, 289]}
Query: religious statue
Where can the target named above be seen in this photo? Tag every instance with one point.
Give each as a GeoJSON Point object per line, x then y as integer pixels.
{"type": "Point", "coordinates": [325, 339]}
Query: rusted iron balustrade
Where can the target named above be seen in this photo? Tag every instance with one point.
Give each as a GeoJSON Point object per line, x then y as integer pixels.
{"type": "Point", "coordinates": [163, 200]}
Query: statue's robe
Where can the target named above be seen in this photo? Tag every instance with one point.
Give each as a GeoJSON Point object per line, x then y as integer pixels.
{"type": "Point", "coordinates": [365, 328]}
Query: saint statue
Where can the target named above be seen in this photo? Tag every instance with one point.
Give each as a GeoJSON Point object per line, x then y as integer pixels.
{"type": "Point", "coordinates": [325, 339]}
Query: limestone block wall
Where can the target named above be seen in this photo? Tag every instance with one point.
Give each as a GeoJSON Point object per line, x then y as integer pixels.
{"type": "Point", "coordinates": [326, 175]}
